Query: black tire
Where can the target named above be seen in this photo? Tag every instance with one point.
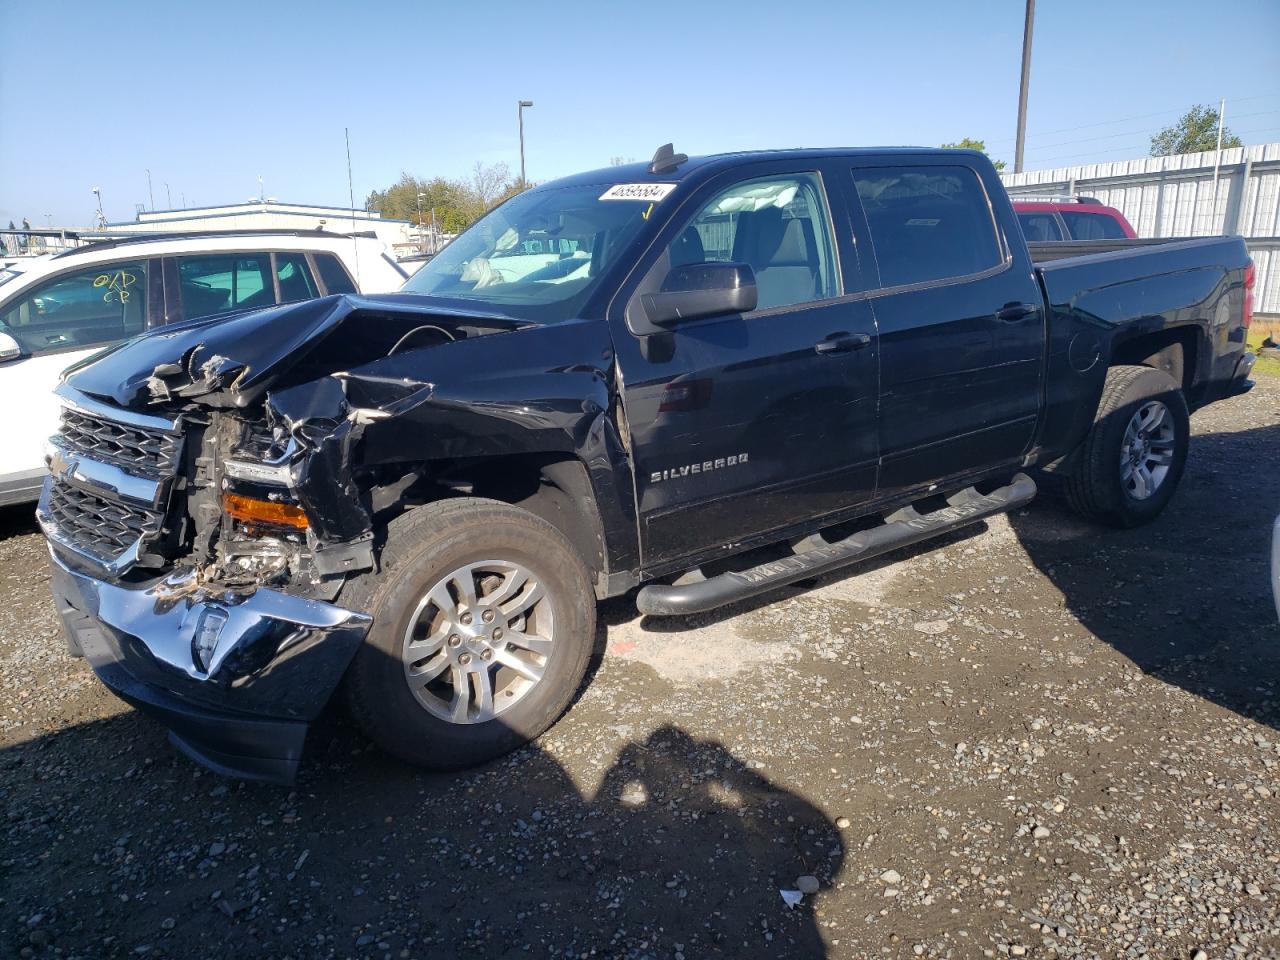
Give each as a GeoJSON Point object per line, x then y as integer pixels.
{"type": "Point", "coordinates": [422, 547]}
{"type": "Point", "coordinates": [1095, 488]}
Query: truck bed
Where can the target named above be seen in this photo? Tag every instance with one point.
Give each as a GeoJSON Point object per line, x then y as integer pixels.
{"type": "Point", "coordinates": [1103, 294]}
{"type": "Point", "coordinates": [1043, 251]}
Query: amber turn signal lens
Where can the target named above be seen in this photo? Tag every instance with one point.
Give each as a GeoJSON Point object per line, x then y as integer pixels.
{"type": "Point", "coordinates": [253, 510]}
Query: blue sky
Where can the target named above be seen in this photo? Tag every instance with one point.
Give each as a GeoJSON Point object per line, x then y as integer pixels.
{"type": "Point", "coordinates": [210, 96]}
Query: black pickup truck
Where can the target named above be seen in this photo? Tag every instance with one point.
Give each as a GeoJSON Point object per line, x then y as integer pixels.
{"type": "Point", "coordinates": [694, 379]}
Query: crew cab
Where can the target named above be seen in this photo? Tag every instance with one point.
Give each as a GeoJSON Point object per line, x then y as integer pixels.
{"type": "Point", "coordinates": [58, 308]}
{"type": "Point", "coordinates": [690, 381]}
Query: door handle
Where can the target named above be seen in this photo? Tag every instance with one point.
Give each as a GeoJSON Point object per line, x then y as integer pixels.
{"type": "Point", "coordinates": [1015, 312]}
{"type": "Point", "coordinates": [842, 343]}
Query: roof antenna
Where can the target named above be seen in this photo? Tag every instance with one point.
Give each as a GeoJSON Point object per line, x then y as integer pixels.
{"type": "Point", "coordinates": [666, 159]}
{"type": "Point", "coordinates": [351, 195]}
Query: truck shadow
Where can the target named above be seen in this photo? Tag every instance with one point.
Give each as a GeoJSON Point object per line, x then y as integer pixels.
{"type": "Point", "coordinates": [667, 844]}
{"type": "Point", "coordinates": [18, 520]}
{"type": "Point", "coordinates": [1188, 597]}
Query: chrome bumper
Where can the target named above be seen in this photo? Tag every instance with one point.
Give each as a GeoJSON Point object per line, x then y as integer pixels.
{"type": "Point", "coordinates": [236, 678]}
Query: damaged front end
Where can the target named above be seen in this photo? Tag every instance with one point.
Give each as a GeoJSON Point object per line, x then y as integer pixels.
{"type": "Point", "coordinates": [206, 505]}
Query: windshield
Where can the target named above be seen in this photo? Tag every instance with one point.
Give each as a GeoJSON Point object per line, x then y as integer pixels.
{"type": "Point", "coordinates": [537, 256]}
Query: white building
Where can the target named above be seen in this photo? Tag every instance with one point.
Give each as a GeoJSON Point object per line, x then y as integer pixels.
{"type": "Point", "coordinates": [266, 215]}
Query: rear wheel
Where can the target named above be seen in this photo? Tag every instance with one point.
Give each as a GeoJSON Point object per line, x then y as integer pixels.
{"type": "Point", "coordinates": [483, 623]}
{"type": "Point", "coordinates": [1133, 457]}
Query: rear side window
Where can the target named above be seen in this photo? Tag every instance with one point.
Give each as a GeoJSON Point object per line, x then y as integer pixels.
{"type": "Point", "coordinates": [335, 278]}
{"type": "Point", "coordinates": [1092, 226]}
{"type": "Point", "coordinates": [83, 308]}
{"type": "Point", "coordinates": [1039, 226]}
{"type": "Point", "coordinates": [927, 223]}
{"type": "Point", "coordinates": [296, 282]}
{"type": "Point", "coordinates": [220, 282]}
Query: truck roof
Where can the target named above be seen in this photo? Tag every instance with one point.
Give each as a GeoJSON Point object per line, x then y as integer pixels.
{"type": "Point", "coordinates": [715, 162]}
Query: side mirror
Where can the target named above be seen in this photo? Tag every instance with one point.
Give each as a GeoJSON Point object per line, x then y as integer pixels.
{"type": "Point", "coordinates": [701, 290]}
{"type": "Point", "coordinates": [10, 349]}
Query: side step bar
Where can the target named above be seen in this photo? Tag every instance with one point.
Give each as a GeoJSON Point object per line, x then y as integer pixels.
{"type": "Point", "coordinates": [903, 527]}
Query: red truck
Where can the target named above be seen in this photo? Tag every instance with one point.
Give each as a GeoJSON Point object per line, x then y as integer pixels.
{"type": "Point", "coordinates": [1070, 218]}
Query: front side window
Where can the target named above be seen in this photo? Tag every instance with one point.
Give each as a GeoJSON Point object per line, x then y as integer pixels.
{"type": "Point", "coordinates": [777, 226]}
{"type": "Point", "coordinates": [1039, 226]}
{"type": "Point", "coordinates": [218, 283]}
{"type": "Point", "coordinates": [1092, 226]}
{"type": "Point", "coordinates": [539, 255]}
{"type": "Point", "coordinates": [84, 308]}
{"type": "Point", "coordinates": [927, 223]}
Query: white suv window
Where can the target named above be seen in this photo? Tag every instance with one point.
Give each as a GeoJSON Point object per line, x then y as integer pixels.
{"type": "Point", "coordinates": [216, 283]}
{"type": "Point", "coordinates": [82, 308]}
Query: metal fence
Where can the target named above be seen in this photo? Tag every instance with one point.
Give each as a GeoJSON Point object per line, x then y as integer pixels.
{"type": "Point", "coordinates": [1187, 195]}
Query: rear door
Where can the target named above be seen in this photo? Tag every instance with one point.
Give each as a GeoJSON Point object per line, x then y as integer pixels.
{"type": "Point", "coordinates": [959, 314]}
{"type": "Point", "coordinates": [750, 423]}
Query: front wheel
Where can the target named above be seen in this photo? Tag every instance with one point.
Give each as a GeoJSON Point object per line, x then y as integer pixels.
{"type": "Point", "coordinates": [1132, 459]}
{"type": "Point", "coordinates": [483, 623]}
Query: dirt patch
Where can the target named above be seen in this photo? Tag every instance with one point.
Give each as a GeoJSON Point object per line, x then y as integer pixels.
{"type": "Point", "coordinates": [1039, 739]}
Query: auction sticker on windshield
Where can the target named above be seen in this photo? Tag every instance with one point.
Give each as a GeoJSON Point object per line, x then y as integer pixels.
{"type": "Point", "coordinates": [649, 192]}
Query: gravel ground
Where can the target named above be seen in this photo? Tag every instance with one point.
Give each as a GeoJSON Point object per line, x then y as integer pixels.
{"type": "Point", "coordinates": [1042, 739]}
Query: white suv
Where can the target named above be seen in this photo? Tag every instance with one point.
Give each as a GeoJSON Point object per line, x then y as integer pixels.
{"type": "Point", "coordinates": [60, 308]}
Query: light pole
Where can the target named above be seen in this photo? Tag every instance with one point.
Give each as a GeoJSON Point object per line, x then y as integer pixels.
{"type": "Point", "coordinates": [1024, 85]}
{"type": "Point", "coordinates": [520, 114]}
{"type": "Point", "coordinates": [150, 194]}
{"type": "Point", "coordinates": [422, 242]}
{"type": "Point", "coordinates": [102, 217]}
{"type": "Point", "coordinates": [168, 196]}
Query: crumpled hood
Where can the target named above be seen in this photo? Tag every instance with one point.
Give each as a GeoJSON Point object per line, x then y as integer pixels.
{"type": "Point", "coordinates": [230, 361]}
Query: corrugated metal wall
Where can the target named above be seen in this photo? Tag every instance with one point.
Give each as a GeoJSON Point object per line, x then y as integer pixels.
{"type": "Point", "coordinates": [1176, 197]}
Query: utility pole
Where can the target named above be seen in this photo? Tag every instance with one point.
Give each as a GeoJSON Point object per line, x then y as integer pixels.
{"type": "Point", "coordinates": [520, 112]}
{"type": "Point", "coordinates": [151, 195]}
{"type": "Point", "coordinates": [1023, 87]}
{"type": "Point", "coordinates": [1217, 160]}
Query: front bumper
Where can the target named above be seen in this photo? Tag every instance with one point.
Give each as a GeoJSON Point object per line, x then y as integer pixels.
{"type": "Point", "coordinates": [270, 662]}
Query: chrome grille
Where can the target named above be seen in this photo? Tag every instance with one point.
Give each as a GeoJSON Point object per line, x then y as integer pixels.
{"type": "Point", "coordinates": [104, 529]}
{"type": "Point", "coordinates": [112, 473]}
{"type": "Point", "coordinates": [138, 450]}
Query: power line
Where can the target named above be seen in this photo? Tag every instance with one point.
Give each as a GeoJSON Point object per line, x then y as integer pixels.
{"type": "Point", "coordinates": [1134, 133]}
{"type": "Point", "coordinates": [1143, 116]}
{"type": "Point", "coordinates": [1096, 153]}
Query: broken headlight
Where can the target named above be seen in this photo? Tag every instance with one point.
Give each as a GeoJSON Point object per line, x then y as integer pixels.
{"type": "Point", "coordinates": [262, 457]}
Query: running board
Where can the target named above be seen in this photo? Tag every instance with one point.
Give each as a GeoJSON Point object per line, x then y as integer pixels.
{"type": "Point", "coordinates": [902, 528]}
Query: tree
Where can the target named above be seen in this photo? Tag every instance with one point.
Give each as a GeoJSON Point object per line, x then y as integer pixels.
{"type": "Point", "coordinates": [456, 204]}
{"type": "Point", "coordinates": [1196, 132]}
{"type": "Point", "coordinates": [968, 144]}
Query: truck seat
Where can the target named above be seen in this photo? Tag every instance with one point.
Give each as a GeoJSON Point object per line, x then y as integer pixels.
{"type": "Point", "coordinates": [782, 253]}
